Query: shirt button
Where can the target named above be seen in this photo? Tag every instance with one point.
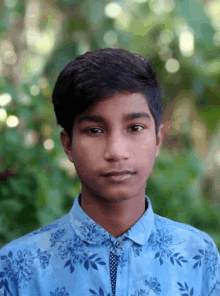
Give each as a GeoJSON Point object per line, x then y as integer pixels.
{"type": "Point", "coordinates": [118, 244]}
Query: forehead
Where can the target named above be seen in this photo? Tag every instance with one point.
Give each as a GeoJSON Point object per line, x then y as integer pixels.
{"type": "Point", "coordinates": [123, 106]}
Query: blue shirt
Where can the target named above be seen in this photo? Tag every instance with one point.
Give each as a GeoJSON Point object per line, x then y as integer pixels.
{"type": "Point", "coordinates": [75, 256]}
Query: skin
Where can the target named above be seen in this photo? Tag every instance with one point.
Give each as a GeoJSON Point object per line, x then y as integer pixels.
{"type": "Point", "coordinates": [114, 145]}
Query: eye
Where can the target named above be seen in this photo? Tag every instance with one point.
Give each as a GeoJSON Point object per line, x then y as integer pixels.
{"type": "Point", "coordinates": [137, 126]}
{"type": "Point", "coordinates": [93, 128]}
{"type": "Point", "coordinates": [96, 128]}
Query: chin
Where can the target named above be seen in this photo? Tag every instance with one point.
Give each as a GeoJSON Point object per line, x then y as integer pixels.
{"type": "Point", "coordinates": [117, 194]}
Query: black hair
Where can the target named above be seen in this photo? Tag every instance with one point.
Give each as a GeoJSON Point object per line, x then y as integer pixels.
{"type": "Point", "coordinates": [96, 75]}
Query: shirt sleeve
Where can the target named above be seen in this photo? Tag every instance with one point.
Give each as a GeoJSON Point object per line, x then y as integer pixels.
{"type": "Point", "coordinates": [7, 279]}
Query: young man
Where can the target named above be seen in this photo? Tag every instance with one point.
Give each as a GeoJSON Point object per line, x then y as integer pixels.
{"type": "Point", "coordinates": [111, 243]}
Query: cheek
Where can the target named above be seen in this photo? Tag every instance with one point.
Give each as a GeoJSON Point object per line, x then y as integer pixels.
{"type": "Point", "coordinates": [147, 148]}
{"type": "Point", "coordinates": [77, 156]}
{"type": "Point", "coordinates": [84, 157]}
{"type": "Point", "coordinates": [147, 155]}
{"type": "Point", "coordinates": [150, 140]}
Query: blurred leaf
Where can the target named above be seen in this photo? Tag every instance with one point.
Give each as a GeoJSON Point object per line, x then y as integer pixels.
{"type": "Point", "coordinates": [41, 191]}
{"type": "Point", "coordinates": [10, 205]}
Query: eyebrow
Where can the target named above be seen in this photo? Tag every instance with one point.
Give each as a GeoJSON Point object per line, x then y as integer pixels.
{"type": "Point", "coordinates": [126, 117]}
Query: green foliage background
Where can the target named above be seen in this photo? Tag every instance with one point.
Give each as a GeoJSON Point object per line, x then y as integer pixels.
{"type": "Point", "coordinates": [38, 38]}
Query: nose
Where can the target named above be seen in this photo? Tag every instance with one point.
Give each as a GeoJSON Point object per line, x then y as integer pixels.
{"type": "Point", "coordinates": [117, 147]}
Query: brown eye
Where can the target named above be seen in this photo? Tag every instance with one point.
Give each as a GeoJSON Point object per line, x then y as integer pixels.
{"type": "Point", "coordinates": [136, 125]}
{"type": "Point", "coordinates": [94, 128]}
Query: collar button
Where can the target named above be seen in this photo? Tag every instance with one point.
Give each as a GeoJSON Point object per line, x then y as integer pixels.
{"type": "Point", "coordinates": [118, 244]}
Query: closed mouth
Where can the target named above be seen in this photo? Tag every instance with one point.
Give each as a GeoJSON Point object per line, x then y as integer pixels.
{"type": "Point", "coordinates": [119, 173]}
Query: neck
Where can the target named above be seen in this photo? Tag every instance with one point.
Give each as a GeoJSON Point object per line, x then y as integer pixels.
{"type": "Point", "coordinates": [115, 217]}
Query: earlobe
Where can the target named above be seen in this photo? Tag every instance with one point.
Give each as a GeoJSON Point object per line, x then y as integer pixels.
{"type": "Point", "coordinates": [160, 138]}
{"type": "Point", "coordinates": [162, 131]}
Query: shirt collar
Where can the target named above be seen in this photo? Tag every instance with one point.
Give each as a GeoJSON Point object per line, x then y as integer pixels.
{"type": "Point", "coordinates": [91, 232]}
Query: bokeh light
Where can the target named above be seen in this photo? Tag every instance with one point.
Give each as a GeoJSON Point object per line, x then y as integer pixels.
{"type": "Point", "coordinates": [35, 90]}
{"type": "Point", "coordinates": [113, 10]}
{"type": "Point", "coordinates": [5, 99]}
{"type": "Point", "coordinates": [110, 38]}
{"type": "Point", "coordinates": [48, 144]}
{"type": "Point", "coordinates": [186, 43]}
{"type": "Point", "coordinates": [12, 121]}
{"type": "Point", "coordinates": [172, 65]}
{"type": "Point", "coordinates": [3, 114]}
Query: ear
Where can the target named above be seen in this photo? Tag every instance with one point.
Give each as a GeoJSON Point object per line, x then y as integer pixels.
{"type": "Point", "coordinates": [159, 139]}
{"type": "Point", "coordinates": [67, 146]}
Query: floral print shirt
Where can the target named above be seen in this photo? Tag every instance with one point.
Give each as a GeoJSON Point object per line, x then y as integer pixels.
{"type": "Point", "coordinates": [75, 256]}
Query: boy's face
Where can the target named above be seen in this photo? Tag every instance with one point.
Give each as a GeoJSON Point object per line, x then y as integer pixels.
{"type": "Point", "coordinates": [115, 144]}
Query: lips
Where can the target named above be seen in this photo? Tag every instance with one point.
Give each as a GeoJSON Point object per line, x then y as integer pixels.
{"type": "Point", "coordinates": [122, 177]}
{"type": "Point", "coordinates": [115, 173]}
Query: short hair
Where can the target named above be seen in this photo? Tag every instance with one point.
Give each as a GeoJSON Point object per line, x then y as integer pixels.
{"type": "Point", "coordinates": [96, 75]}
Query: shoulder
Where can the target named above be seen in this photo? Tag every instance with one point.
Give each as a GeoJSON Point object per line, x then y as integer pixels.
{"type": "Point", "coordinates": [193, 236]}
{"type": "Point", "coordinates": [35, 239]}
{"type": "Point", "coordinates": [191, 249]}
{"type": "Point", "coordinates": [29, 255]}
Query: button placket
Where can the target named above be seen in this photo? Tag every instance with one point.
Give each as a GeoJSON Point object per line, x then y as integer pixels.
{"type": "Point", "coordinates": [113, 271]}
